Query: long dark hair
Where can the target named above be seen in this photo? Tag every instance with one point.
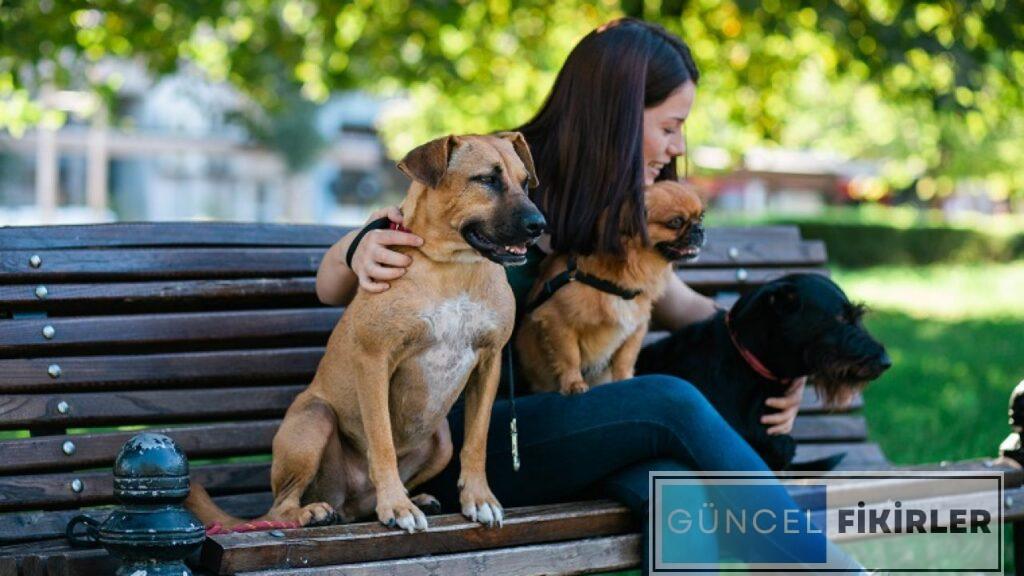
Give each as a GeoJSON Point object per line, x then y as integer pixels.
{"type": "Point", "coordinates": [587, 138]}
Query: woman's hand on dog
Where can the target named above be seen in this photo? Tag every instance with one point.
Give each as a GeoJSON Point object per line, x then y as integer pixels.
{"type": "Point", "coordinates": [374, 263]}
{"type": "Point", "coordinates": [781, 422]}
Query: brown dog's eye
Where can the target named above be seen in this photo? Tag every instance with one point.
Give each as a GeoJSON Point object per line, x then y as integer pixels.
{"type": "Point", "coordinates": [676, 223]}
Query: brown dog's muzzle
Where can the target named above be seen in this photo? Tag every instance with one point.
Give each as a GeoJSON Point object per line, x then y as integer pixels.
{"type": "Point", "coordinates": [505, 239]}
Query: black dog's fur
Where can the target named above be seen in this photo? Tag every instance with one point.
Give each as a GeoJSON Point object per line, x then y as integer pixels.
{"type": "Point", "coordinates": [801, 324]}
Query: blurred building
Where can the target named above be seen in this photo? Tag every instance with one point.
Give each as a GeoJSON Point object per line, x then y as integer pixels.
{"type": "Point", "coordinates": [176, 151]}
{"type": "Point", "coordinates": [779, 180]}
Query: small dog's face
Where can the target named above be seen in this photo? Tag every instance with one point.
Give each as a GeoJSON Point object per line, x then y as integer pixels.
{"type": "Point", "coordinates": [808, 326]}
{"type": "Point", "coordinates": [675, 220]}
{"type": "Point", "coordinates": [479, 185]}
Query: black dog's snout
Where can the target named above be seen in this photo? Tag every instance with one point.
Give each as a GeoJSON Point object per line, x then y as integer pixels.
{"type": "Point", "coordinates": [884, 361]}
{"type": "Point", "coordinates": [534, 223]}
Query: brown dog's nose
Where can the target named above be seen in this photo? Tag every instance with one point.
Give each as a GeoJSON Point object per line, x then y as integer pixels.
{"type": "Point", "coordinates": [534, 223]}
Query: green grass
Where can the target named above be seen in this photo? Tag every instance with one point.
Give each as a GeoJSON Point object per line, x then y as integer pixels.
{"type": "Point", "coordinates": [956, 336]}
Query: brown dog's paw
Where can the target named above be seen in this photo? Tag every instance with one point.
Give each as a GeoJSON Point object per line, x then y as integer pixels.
{"type": "Point", "coordinates": [480, 505]}
{"type": "Point", "coordinates": [427, 503]}
{"type": "Point", "coordinates": [577, 387]}
{"type": "Point", "coordinates": [401, 513]}
{"type": "Point", "coordinates": [315, 514]}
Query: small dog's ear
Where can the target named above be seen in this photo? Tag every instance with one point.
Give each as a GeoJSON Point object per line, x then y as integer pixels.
{"type": "Point", "coordinates": [785, 298]}
{"type": "Point", "coordinates": [523, 151]}
{"type": "Point", "coordinates": [428, 162]}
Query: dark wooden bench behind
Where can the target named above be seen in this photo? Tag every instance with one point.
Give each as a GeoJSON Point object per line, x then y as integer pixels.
{"type": "Point", "coordinates": [206, 331]}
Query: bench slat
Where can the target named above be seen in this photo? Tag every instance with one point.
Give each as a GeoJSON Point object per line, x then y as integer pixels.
{"type": "Point", "coordinates": [45, 453]}
{"type": "Point", "coordinates": [118, 408]}
{"type": "Point", "coordinates": [38, 524]}
{"type": "Point", "coordinates": [132, 234]}
{"type": "Point", "coordinates": [369, 541]}
{"type": "Point", "coordinates": [300, 326]}
{"type": "Point", "coordinates": [167, 371]}
{"type": "Point", "coordinates": [281, 292]}
{"type": "Point", "coordinates": [278, 292]}
{"type": "Point", "coordinates": [862, 454]}
{"type": "Point", "coordinates": [54, 490]}
{"type": "Point", "coordinates": [575, 557]}
{"type": "Point", "coordinates": [142, 264]}
{"type": "Point", "coordinates": [140, 234]}
{"type": "Point", "coordinates": [160, 263]}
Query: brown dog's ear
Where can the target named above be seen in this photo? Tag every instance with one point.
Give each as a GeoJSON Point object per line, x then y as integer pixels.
{"type": "Point", "coordinates": [428, 162]}
{"type": "Point", "coordinates": [523, 151]}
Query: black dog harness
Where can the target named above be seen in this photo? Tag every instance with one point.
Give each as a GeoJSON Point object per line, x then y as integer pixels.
{"type": "Point", "coordinates": [573, 274]}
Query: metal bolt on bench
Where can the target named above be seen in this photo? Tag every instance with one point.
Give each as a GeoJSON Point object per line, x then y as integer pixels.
{"type": "Point", "coordinates": [151, 533]}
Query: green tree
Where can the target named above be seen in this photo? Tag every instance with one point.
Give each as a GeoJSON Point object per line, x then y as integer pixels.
{"type": "Point", "coordinates": [931, 87]}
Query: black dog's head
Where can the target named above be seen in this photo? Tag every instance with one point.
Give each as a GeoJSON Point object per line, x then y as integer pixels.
{"type": "Point", "coordinates": [803, 324]}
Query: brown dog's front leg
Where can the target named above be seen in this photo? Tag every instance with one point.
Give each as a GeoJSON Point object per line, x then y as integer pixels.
{"type": "Point", "coordinates": [478, 502]}
{"type": "Point", "coordinates": [393, 504]}
{"type": "Point", "coordinates": [563, 351]}
{"type": "Point", "coordinates": [624, 359]}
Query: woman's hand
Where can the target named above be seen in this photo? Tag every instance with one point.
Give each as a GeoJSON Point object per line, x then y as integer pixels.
{"type": "Point", "coordinates": [374, 263]}
{"type": "Point", "coordinates": [781, 422]}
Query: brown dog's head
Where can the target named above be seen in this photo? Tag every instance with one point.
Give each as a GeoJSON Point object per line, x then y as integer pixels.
{"type": "Point", "coordinates": [675, 220]}
{"type": "Point", "coordinates": [477, 187]}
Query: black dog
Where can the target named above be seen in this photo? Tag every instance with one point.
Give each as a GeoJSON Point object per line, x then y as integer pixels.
{"type": "Point", "coordinates": [798, 325]}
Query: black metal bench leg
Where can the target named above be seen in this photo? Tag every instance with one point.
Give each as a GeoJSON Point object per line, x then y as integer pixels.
{"type": "Point", "coordinates": [1018, 548]}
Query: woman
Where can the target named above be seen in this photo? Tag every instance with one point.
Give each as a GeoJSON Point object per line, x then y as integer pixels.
{"type": "Point", "coordinates": [611, 125]}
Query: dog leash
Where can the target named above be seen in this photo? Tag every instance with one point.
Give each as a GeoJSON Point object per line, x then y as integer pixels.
{"type": "Point", "coordinates": [573, 274]}
{"type": "Point", "coordinates": [514, 429]}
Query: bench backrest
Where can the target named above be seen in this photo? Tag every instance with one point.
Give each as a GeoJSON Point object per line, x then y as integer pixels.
{"type": "Point", "coordinates": [207, 331]}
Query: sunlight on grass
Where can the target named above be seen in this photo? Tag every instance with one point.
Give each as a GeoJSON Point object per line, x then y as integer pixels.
{"type": "Point", "coordinates": [956, 336]}
{"type": "Point", "coordinates": [946, 292]}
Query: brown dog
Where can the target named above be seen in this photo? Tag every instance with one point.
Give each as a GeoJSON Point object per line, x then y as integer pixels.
{"type": "Point", "coordinates": [372, 423]}
{"type": "Point", "coordinates": [583, 336]}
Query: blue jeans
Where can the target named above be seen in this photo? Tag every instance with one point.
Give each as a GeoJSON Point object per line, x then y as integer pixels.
{"type": "Point", "coordinates": [603, 442]}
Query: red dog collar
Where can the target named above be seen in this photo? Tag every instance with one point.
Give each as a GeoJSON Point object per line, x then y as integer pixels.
{"type": "Point", "coordinates": [751, 360]}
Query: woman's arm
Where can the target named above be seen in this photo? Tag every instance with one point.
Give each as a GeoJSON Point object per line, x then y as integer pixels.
{"type": "Point", "coordinates": [373, 263]}
{"type": "Point", "coordinates": [680, 305]}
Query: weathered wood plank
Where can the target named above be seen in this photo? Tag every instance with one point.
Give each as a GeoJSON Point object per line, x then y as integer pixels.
{"type": "Point", "coordinates": [48, 453]}
{"type": "Point", "coordinates": [25, 337]}
{"type": "Point", "coordinates": [729, 279]}
{"type": "Point", "coordinates": [862, 454]}
{"type": "Point", "coordinates": [830, 428]}
{"type": "Point", "coordinates": [449, 533]}
{"type": "Point", "coordinates": [138, 264]}
{"type": "Point", "coordinates": [86, 297]}
{"type": "Point", "coordinates": [170, 234]}
{"type": "Point", "coordinates": [757, 252]}
{"type": "Point", "coordinates": [155, 406]}
{"type": "Point", "coordinates": [54, 490]}
{"type": "Point", "coordinates": [38, 524]}
{"type": "Point", "coordinates": [87, 373]}
{"type": "Point", "coordinates": [563, 558]}
{"type": "Point", "coordinates": [140, 234]}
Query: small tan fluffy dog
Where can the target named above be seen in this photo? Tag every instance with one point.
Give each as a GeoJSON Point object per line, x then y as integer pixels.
{"type": "Point", "coordinates": [583, 336]}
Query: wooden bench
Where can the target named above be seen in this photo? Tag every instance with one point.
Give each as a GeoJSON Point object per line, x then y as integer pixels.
{"type": "Point", "coordinates": [205, 332]}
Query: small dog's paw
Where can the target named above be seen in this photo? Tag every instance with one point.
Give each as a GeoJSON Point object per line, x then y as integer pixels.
{"type": "Point", "coordinates": [577, 387]}
{"type": "Point", "coordinates": [317, 514]}
{"type": "Point", "coordinates": [401, 513]}
{"type": "Point", "coordinates": [480, 505]}
{"type": "Point", "coordinates": [427, 503]}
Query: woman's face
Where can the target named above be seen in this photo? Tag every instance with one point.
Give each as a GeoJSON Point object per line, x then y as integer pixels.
{"type": "Point", "coordinates": [663, 136]}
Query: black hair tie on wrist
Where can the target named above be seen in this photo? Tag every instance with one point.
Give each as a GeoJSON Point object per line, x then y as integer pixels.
{"type": "Point", "coordinates": [378, 224]}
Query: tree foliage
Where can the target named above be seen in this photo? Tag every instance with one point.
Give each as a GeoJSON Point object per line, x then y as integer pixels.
{"type": "Point", "coordinates": [932, 88]}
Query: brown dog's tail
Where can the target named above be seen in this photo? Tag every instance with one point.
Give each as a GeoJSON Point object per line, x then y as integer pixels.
{"type": "Point", "coordinates": [199, 503]}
